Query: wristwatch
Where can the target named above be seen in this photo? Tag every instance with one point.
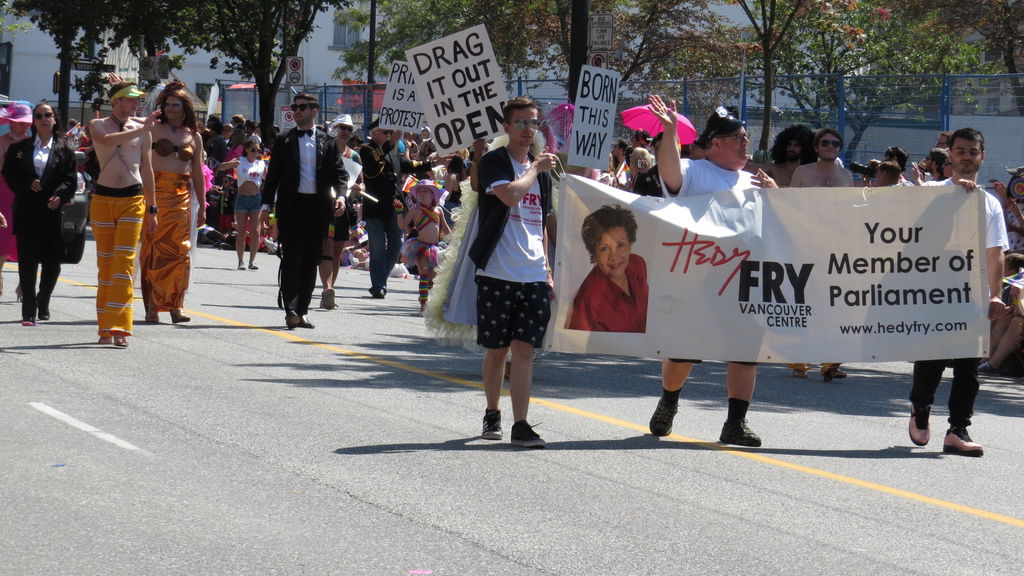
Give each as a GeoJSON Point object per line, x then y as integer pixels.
{"type": "Point", "coordinates": [152, 209]}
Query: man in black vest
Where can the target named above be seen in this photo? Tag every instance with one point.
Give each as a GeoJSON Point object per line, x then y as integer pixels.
{"type": "Point", "coordinates": [381, 166]}
{"type": "Point", "coordinates": [514, 285]}
{"type": "Point", "coordinates": [305, 169]}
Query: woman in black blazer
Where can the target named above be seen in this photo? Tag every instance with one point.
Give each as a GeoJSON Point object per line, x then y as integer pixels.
{"type": "Point", "coordinates": [41, 172]}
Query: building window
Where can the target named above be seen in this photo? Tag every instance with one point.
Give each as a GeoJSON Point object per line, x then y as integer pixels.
{"type": "Point", "coordinates": [345, 36]}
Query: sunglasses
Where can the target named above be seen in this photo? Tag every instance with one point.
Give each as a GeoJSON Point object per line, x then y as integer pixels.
{"type": "Point", "coordinates": [738, 137]}
{"type": "Point", "coordinates": [345, 128]}
{"type": "Point", "coordinates": [172, 104]}
{"type": "Point", "coordinates": [534, 123]}
{"type": "Point", "coordinates": [830, 143]}
{"type": "Point", "coordinates": [41, 115]}
{"type": "Point", "coordinates": [303, 107]}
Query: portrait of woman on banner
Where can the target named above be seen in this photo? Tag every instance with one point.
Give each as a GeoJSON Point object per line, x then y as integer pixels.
{"type": "Point", "coordinates": [613, 297]}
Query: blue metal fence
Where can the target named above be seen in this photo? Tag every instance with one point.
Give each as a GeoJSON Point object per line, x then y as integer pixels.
{"type": "Point", "coordinates": [873, 112]}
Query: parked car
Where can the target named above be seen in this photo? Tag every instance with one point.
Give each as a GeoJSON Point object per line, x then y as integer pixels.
{"type": "Point", "coordinates": [75, 215]}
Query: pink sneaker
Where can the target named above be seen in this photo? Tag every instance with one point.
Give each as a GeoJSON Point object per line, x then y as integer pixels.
{"type": "Point", "coordinates": [959, 442]}
{"type": "Point", "coordinates": [919, 431]}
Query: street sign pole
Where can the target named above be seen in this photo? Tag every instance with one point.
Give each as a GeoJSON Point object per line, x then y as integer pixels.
{"type": "Point", "coordinates": [578, 50]}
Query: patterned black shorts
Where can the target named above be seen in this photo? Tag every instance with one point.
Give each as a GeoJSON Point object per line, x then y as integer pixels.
{"type": "Point", "coordinates": [507, 311]}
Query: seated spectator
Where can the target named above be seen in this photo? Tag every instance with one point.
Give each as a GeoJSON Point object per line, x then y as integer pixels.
{"type": "Point", "coordinates": [1007, 333]}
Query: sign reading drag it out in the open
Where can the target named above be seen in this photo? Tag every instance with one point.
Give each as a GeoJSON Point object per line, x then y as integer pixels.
{"type": "Point", "coordinates": [460, 85]}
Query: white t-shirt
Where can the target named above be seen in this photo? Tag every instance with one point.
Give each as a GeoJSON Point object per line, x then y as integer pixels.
{"type": "Point", "coordinates": [250, 171]}
{"type": "Point", "coordinates": [519, 254]}
{"type": "Point", "coordinates": [706, 177]}
{"type": "Point", "coordinates": [995, 225]}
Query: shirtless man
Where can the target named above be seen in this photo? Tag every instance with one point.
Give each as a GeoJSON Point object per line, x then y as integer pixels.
{"type": "Point", "coordinates": [825, 172]}
{"type": "Point", "coordinates": [123, 191]}
{"type": "Point", "coordinates": [178, 175]}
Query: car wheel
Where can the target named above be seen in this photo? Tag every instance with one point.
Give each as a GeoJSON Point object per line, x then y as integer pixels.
{"type": "Point", "coordinates": [73, 250]}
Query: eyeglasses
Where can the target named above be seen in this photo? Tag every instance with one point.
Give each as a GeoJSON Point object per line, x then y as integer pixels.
{"type": "Point", "coordinates": [738, 137]}
{"type": "Point", "coordinates": [534, 123]}
{"type": "Point", "coordinates": [830, 143]}
{"type": "Point", "coordinates": [303, 107]}
{"type": "Point", "coordinates": [41, 115]}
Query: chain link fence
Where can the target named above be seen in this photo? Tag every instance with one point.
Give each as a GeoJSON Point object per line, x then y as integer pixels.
{"type": "Point", "coordinates": [872, 112]}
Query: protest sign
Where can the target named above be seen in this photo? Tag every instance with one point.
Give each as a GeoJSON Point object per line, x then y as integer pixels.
{"type": "Point", "coordinates": [458, 80]}
{"type": "Point", "coordinates": [792, 275]}
{"type": "Point", "coordinates": [401, 109]}
{"type": "Point", "coordinates": [594, 117]}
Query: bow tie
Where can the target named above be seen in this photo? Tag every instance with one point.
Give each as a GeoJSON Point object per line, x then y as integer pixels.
{"type": "Point", "coordinates": [306, 133]}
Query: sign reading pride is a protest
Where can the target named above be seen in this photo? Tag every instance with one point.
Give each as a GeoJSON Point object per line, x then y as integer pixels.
{"type": "Point", "coordinates": [791, 275]}
{"type": "Point", "coordinates": [594, 117]}
{"type": "Point", "coordinates": [460, 85]}
{"type": "Point", "coordinates": [401, 110]}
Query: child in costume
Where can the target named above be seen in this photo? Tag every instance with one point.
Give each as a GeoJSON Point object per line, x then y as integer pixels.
{"type": "Point", "coordinates": [430, 228]}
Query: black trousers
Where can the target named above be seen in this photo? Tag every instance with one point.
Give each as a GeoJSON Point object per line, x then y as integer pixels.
{"type": "Point", "coordinates": [37, 249]}
{"type": "Point", "coordinates": [302, 238]}
{"type": "Point", "coordinates": [928, 374]}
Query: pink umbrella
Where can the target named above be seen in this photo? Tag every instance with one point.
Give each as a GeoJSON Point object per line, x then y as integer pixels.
{"type": "Point", "coordinates": [640, 118]}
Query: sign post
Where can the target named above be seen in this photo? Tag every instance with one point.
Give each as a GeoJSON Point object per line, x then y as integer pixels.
{"type": "Point", "coordinates": [294, 73]}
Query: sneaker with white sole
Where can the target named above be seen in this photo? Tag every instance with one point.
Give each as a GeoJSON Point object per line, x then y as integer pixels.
{"type": "Point", "coordinates": [523, 435]}
{"type": "Point", "coordinates": [492, 425]}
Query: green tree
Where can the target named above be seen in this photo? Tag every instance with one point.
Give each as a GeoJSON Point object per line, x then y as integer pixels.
{"type": "Point", "coordinates": [872, 47]}
{"type": "Point", "coordinates": [252, 38]}
{"type": "Point", "coordinates": [657, 39]}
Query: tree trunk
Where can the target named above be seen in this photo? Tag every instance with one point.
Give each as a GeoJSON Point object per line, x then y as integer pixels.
{"type": "Point", "coordinates": [769, 89]}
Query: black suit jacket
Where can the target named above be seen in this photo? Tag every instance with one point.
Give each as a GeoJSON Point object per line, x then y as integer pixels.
{"type": "Point", "coordinates": [59, 178]}
{"type": "Point", "coordinates": [281, 188]}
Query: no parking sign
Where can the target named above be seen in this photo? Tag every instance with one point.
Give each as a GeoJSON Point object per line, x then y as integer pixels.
{"type": "Point", "coordinates": [287, 121]}
{"type": "Point", "coordinates": [294, 70]}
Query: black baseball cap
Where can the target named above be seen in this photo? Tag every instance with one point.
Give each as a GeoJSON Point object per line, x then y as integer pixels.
{"type": "Point", "coordinates": [723, 120]}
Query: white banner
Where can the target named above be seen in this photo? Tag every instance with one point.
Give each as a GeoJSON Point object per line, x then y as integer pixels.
{"type": "Point", "coordinates": [793, 275]}
{"type": "Point", "coordinates": [458, 79]}
{"type": "Point", "coordinates": [401, 110]}
{"type": "Point", "coordinates": [594, 117]}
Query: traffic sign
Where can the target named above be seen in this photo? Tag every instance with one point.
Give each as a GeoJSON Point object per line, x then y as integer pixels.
{"type": "Point", "coordinates": [147, 68]}
{"type": "Point", "coordinates": [294, 70]}
{"type": "Point", "coordinates": [602, 31]}
{"type": "Point", "coordinates": [92, 66]}
{"type": "Point", "coordinates": [598, 59]}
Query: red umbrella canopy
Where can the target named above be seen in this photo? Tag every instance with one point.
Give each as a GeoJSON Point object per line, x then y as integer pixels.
{"type": "Point", "coordinates": [641, 118]}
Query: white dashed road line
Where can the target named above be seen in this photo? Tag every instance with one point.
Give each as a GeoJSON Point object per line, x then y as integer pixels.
{"type": "Point", "coordinates": [75, 423]}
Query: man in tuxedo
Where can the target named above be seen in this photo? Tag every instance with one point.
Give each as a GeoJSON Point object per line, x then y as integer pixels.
{"type": "Point", "coordinates": [305, 169]}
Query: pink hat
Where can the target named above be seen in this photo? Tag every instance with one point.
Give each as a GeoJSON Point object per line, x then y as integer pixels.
{"type": "Point", "coordinates": [16, 112]}
{"type": "Point", "coordinates": [429, 186]}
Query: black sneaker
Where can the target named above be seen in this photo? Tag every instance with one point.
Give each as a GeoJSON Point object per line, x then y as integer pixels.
{"type": "Point", "coordinates": [523, 435]}
{"type": "Point", "coordinates": [492, 425]}
{"type": "Point", "coordinates": [664, 414]}
{"type": "Point", "coordinates": [737, 432]}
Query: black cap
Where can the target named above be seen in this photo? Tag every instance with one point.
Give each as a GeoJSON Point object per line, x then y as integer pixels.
{"type": "Point", "coordinates": [722, 121]}
{"type": "Point", "coordinates": [374, 124]}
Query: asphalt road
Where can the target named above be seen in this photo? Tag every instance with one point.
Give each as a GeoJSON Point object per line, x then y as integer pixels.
{"type": "Point", "coordinates": [231, 446]}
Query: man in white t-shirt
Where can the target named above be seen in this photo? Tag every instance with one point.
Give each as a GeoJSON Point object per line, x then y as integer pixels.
{"type": "Point", "coordinates": [725, 140]}
{"type": "Point", "coordinates": [514, 285]}
{"type": "Point", "coordinates": [967, 152]}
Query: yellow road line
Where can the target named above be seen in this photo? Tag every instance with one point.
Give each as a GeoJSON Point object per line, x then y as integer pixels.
{"type": "Point", "coordinates": [874, 486]}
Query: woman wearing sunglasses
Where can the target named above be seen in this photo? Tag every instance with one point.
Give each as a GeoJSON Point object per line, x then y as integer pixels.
{"type": "Point", "coordinates": [250, 170]}
{"type": "Point", "coordinates": [41, 171]}
{"type": "Point", "coordinates": [180, 202]}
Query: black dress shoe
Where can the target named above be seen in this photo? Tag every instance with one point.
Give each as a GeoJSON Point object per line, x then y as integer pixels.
{"type": "Point", "coordinates": [305, 323]}
{"type": "Point", "coordinates": [377, 293]}
{"type": "Point", "coordinates": [44, 314]}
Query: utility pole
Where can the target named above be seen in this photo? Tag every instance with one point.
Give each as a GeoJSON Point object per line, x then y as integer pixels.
{"type": "Point", "coordinates": [579, 43]}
